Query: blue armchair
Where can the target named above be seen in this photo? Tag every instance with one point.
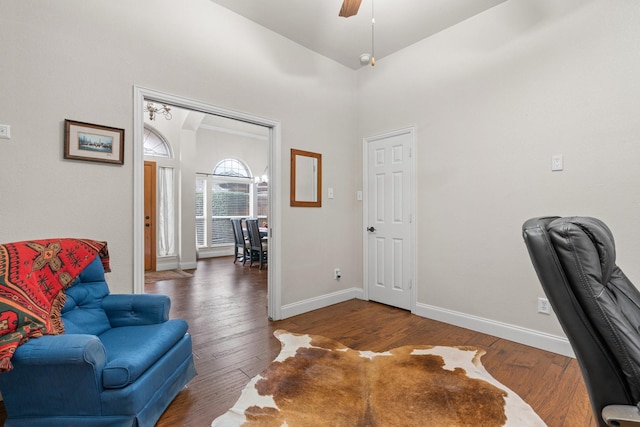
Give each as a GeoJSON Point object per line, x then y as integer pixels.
{"type": "Point", "coordinates": [120, 361]}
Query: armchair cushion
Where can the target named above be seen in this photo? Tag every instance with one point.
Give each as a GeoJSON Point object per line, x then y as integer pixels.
{"type": "Point", "coordinates": [125, 361]}
{"type": "Point", "coordinates": [82, 312]}
{"type": "Point", "coordinates": [136, 309]}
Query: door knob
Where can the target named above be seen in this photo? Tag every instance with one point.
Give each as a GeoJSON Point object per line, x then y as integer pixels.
{"type": "Point", "coordinates": [147, 225]}
{"type": "Point", "coordinates": [371, 229]}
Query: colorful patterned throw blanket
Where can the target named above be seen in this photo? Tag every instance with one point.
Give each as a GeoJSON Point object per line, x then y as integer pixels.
{"type": "Point", "coordinates": [33, 277]}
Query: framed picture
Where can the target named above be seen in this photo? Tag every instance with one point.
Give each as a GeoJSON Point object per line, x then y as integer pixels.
{"type": "Point", "coordinates": [94, 143]}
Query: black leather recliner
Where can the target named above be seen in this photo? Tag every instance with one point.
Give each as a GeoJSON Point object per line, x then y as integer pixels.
{"type": "Point", "coordinates": [597, 306]}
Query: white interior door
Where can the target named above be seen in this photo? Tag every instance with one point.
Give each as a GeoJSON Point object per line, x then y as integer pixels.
{"type": "Point", "coordinates": [389, 238]}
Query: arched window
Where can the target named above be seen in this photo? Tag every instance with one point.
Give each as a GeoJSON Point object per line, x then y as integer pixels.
{"type": "Point", "coordinates": [154, 144]}
{"type": "Point", "coordinates": [231, 167]}
{"type": "Point", "coordinates": [227, 193]}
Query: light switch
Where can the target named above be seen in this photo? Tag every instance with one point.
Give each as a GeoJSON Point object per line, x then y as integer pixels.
{"type": "Point", "coordinates": [359, 195]}
{"type": "Point", "coordinates": [557, 163]}
{"type": "Point", "coordinates": [5, 131]}
{"type": "Point", "coordinates": [330, 192]}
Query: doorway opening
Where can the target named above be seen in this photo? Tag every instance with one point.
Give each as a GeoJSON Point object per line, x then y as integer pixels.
{"type": "Point", "coordinates": [160, 201]}
{"type": "Point", "coordinates": [199, 112]}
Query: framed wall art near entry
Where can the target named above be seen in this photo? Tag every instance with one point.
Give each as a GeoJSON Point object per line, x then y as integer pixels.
{"type": "Point", "coordinates": [94, 143]}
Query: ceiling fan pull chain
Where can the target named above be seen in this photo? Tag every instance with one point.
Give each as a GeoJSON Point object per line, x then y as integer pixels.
{"type": "Point", "coordinates": [373, 25]}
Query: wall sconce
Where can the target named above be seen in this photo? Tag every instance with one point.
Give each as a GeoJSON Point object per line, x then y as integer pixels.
{"type": "Point", "coordinates": [153, 111]}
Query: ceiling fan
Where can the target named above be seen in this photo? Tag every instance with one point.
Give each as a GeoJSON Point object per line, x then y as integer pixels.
{"type": "Point", "coordinates": [349, 8]}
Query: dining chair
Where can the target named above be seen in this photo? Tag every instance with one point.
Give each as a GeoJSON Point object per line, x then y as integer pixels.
{"type": "Point", "coordinates": [258, 247]}
{"type": "Point", "coordinates": [241, 246]}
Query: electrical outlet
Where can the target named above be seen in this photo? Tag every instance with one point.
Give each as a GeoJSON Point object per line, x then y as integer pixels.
{"type": "Point", "coordinates": [337, 274]}
{"type": "Point", "coordinates": [543, 306]}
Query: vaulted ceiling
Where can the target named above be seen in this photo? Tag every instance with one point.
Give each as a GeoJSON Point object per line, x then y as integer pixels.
{"type": "Point", "coordinates": [316, 25]}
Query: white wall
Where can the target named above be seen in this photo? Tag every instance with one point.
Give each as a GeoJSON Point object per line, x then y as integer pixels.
{"type": "Point", "coordinates": [492, 100]}
{"type": "Point", "coordinates": [80, 60]}
{"type": "Point", "coordinates": [214, 146]}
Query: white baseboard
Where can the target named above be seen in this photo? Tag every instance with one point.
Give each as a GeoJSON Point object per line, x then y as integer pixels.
{"type": "Point", "coordinates": [537, 339]}
{"type": "Point", "coordinates": [172, 264]}
{"type": "Point", "coordinates": [541, 340]}
{"type": "Point", "coordinates": [188, 265]}
{"type": "Point", "coordinates": [322, 301]}
{"type": "Point", "coordinates": [216, 251]}
{"type": "Point", "coordinates": [168, 263]}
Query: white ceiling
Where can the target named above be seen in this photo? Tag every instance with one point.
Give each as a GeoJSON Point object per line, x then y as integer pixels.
{"type": "Point", "coordinates": [316, 25]}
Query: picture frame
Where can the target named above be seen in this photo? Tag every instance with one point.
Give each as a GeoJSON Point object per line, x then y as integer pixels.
{"type": "Point", "coordinates": [93, 143]}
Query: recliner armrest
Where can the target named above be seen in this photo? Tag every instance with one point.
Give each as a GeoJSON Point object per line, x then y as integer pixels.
{"type": "Point", "coordinates": [621, 415]}
{"type": "Point", "coordinates": [136, 309]}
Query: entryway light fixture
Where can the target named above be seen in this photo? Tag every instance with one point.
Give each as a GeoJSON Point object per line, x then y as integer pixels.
{"type": "Point", "coordinates": [264, 178]}
{"type": "Point", "coordinates": [153, 111]}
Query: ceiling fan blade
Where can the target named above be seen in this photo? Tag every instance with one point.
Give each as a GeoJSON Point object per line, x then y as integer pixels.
{"type": "Point", "coordinates": [349, 8]}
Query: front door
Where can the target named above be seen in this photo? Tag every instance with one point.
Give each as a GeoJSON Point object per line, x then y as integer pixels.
{"type": "Point", "coordinates": [389, 258]}
{"type": "Point", "coordinates": [149, 216]}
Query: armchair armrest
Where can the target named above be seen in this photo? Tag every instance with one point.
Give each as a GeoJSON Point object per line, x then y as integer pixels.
{"type": "Point", "coordinates": [68, 370]}
{"type": "Point", "coordinates": [136, 309]}
{"type": "Point", "coordinates": [59, 350]}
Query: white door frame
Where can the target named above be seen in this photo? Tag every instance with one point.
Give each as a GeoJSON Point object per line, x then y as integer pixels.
{"type": "Point", "coordinates": [365, 210]}
{"type": "Point", "coordinates": [275, 187]}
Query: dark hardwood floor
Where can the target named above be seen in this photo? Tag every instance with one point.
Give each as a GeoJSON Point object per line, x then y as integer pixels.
{"type": "Point", "coordinates": [225, 305]}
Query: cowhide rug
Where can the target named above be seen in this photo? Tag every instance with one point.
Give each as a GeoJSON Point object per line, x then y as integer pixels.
{"type": "Point", "coordinates": [316, 381]}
